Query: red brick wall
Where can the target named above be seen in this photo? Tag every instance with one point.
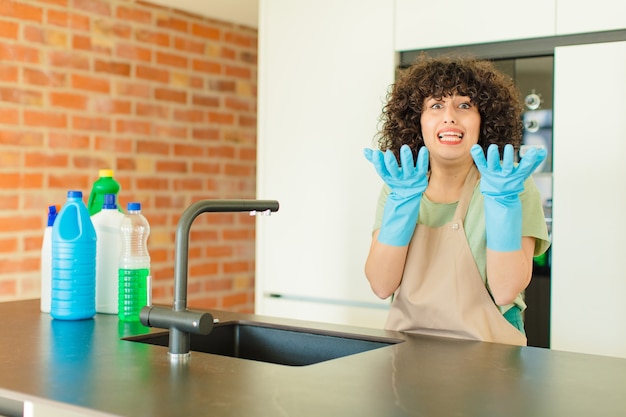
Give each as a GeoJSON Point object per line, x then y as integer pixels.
{"type": "Point", "coordinates": [164, 98]}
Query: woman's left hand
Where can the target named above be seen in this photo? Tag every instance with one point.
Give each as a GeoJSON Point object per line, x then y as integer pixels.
{"type": "Point", "coordinates": [505, 179]}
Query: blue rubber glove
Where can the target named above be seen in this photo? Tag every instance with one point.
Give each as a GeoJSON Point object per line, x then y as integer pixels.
{"type": "Point", "coordinates": [407, 183]}
{"type": "Point", "coordinates": [500, 185]}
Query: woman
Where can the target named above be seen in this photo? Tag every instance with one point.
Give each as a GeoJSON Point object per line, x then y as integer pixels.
{"type": "Point", "coordinates": [455, 231]}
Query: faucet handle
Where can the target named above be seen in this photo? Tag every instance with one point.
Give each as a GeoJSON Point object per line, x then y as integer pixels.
{"type": "Point", "coordinates": [197, 322]}
{"type": "Point", "coordinates": [267, 212]}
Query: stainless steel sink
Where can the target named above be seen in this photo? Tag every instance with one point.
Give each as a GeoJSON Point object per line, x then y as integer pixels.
{"type": "Point", "coordinates": [284, 345]}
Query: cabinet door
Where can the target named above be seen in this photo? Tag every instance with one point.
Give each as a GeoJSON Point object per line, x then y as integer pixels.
{"type": "Point", "coordinates": [589, 225]}
{"type": "Point", "coordinates": [324, 70]}
{"type": "Point", "coordinates": [428, 24]}
{"type": "Point", "coordinates": [575, 16]}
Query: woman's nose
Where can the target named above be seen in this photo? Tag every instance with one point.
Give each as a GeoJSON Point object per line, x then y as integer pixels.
{"type": "Point", "coordinates": [449, 115]}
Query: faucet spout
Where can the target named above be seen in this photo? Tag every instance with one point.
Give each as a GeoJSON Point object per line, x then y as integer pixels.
{"type": "Point", "coordinates": [179, 320]}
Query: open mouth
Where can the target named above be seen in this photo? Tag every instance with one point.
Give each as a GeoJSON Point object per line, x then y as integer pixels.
{"type": "Point", "coordinates": [450, 136]}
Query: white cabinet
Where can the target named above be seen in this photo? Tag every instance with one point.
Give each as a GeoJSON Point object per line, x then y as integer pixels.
{"type": "Point", "coordinates": [428, 24]}
{"type": "Point", "coordinates": [579, 16]}
{"type": "Point", "coordinates": [589, 228]}
{"type": "Point", "coordinates": [324, 70]}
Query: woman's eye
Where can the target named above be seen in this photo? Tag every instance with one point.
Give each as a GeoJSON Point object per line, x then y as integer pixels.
{"type": "Point", "coordinates": [465, 105]}
{"type": "Point", "coordinates": [436, 106]}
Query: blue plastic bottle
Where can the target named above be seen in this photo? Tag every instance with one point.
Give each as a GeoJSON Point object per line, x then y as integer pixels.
{"type": "Point", "coordinates": [73, 261]}
{"type": "Point", "coordinates": [134, 266]}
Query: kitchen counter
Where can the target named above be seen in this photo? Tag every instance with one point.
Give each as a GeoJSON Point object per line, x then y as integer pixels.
{"type": "Point", "coordinates": [86, 364]}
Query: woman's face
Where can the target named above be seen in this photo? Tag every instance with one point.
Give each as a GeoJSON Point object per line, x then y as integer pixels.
{"type": "Point", "coordinates": [450, 127]}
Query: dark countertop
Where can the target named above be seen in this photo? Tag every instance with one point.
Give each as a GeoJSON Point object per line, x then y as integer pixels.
{"type": "Point", "coordinates": [85, 363]}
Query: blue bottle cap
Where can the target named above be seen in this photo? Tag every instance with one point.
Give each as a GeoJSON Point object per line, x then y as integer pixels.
{"type": "Point", "coordinates": [134, 206]}
{"type": "Point", "coordinates": [74, 194]}
{"type": "Point", "coordinates": [109, 202]}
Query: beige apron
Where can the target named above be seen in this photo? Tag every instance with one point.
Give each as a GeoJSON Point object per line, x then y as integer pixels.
{"type": "Point", "coordinates": [442, 292]}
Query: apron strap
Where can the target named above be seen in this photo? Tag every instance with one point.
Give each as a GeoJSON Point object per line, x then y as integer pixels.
{"type": "Point", "coordinates": [466, 193]}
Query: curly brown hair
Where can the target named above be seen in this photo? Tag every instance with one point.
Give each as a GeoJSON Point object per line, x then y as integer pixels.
{"type": "Point", "coordinates": [491, 91]}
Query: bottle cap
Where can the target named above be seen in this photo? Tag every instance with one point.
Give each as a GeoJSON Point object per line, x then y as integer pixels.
{"type": "Point", "coordinates": [105, 173]}
{"type": "Point", "coordinates": [74, 194]}
{"type": "Point", "coordinates": [134, 206]}
{"type": "Point", "coordinates": [52, 214]}
{"type": "Point", "coordinates": [109, 202]}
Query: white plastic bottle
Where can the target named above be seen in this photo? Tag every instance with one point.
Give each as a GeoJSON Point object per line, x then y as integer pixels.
{"type": "Point", "coordinates": [107, 223]}
{"type": "Point", "coordinates": [46, 261]}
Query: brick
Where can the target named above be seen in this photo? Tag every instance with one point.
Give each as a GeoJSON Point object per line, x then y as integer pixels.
{"type": "Point", "coordinates": [189, 150]}
{"type": "Point", "coordinates": [148, 184]}
{"type": "Point", "coordinates": [205, 31]}
{"type": "Point", "coordinates": [95, 84]}
{"type": "Point", "coordinates": [10, 202]}
{"type": "Point", "coordinates": [188, 115]}
{"type": "Point", "coordinates": [133, 126]}
{"type": "Point", "coordinates": [202, 100]}
{"type": "Point", "coordinates": [168, 131]}
{"type": "Point", "coordinates": [45, 119]}
{"type": "Point", "coordinates": [8, 73]}
{"type": "Point", "coordinates": [115, 68]}
{"type": "Point", "coordinates": [189, 45]}
{"type": "Point", "coordinates": [239, 39]}
{"type": "Point", "coordinates": [21, 11]}
{"type": "Point", "coordinates": [22, 138]}
{"type": "Point", "coordinates": [153, 37]}
{"type": "Point", "coordinates": [152, 74]}
{"type": "Point", "coordinates": [206, 133]}
{"type": "Point", "coordinates": [152, 147]}
{"type": "Point", "coordinates": [221, 118]}
{"type": "Point", "coordinates": [19, 53]}
{"type": "Point", "coordinates": [105, 104]}
{"type": "Point", "coordinates": [222, 152]}
{"type": "Point", "coordinates": [82, 42]}
{"type": "Point", "coordinates": [69, 100]}
{"type": "Point", "coordinates": [172, 166]}
{"type": "Point", "coordinates": [133, 89]}
{"type": "Point", "coordinates": [8, 287]}
{"type": "Point", "coordinates": [63, 140]}
{"type": "Point", "coordinates": [8, 29]}
{"type": "Point", "coordinates": [210, 67]}
{"type": "Point", "coordinates": [167, 94]}
{"type": "Point", "coordinates": [68, 60]}
{"type": "Point", "coordinates": [224, 86]}
{"type": "Point", "coordinates": [20, 96]}
{"type": "Point", "coordinates": [134, 15]}
{"type": "Point", "coordinates": [99, 7]}
{"type": "Point", "coordinates": [45, 77]}
{"type": "Point", "coordinates": [166, 21]}
{"type": "Point", "coordinates": [9, 117]}
{"type": "Point", "coordinates": [91, 123]}
{"type": "Point", "coordinates": [172, 60]}
{"type": "Point", "coordinates": [45, 159]}
{"type": "Point", "coordinates": [152, 110]}
{"type": "Point", "coordinates": [130, 51]}
{"type": "Point", "coordinates": [237, 71]}
{"type": "Point", "coordinates": [228, 53]}
{"type": "Point", "coordinates": [112, 144]}
{"type": "Point", "coordinates": [7, 246]}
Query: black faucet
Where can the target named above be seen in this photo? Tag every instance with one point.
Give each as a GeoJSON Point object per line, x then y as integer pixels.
{"type": "Point", "coordinates": [180, 321]}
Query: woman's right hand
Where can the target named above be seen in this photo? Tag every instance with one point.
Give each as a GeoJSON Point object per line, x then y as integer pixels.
{"type": "Point", "coordinates": [407, 182]}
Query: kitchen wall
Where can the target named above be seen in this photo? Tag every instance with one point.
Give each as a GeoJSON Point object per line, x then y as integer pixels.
{"type": "Point", "coordinates": [166, 99]}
